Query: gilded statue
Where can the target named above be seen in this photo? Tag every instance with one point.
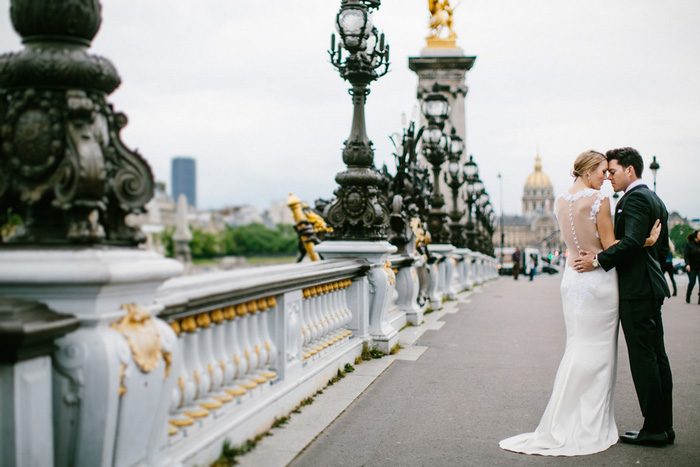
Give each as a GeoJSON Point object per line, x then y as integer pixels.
{"type": "Point", "coordinates": [441, 18]}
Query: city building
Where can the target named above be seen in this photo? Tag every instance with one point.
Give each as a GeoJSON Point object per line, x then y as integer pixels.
{"type": "Point", "coordinates": [536, 227]}
{"type": "Point", "coordinates": [184, 179]}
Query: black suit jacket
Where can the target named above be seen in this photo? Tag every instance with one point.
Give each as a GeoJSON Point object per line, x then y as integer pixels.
{"type": "Point", "coordinates": [639, 269]}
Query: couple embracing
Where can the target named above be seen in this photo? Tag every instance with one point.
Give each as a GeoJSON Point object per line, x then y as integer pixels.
{"type": "Point", "coordinates": [613, 276]}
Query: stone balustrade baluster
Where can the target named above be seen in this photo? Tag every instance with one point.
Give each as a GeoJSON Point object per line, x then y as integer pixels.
{"type": "Point", "coordinates": [266, 307]}
{"type": "Point", "coordinates": [334, 314]}
{"type": "Point", "coordinates": [222, 361]}
{"type": "Point", "coordinates": [196, 371]}
{"type": "Point", "coordinates": [314, 321]}
{"type": "Point", "coordinates": [182, 408]}
{"type": "Point", "coordinates": [234, 355]}
{"type": "Point", "coordinates": [209, 372]}
{"type": "Point", "coordinates": [260, 338]}
{"type": "Point", "coordinates": [344, 303]}
{"type": "Point", "coordinates": [247, 350]}
{"type": "Point", "coordinates": [323, 309]}
{"type": "Point", "coordinates": [307, 351]}
{"type": "Point", "coordinates": [322, 326]}
{"type": "Point", "coordinates": [255, 342]}
{"type": "Point", "coordinates": [339, 311]}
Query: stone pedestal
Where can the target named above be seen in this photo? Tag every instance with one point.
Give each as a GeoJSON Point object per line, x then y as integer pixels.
{"type": "Point", "coordinates": [27, 332]}
{"type": "Point", "coordinates": [445, 269]}
{"type": "Point", "coordinates": [465, 280]}
{"type": "Point", "coordinates": [122, 371]}
{"type": "Point", "coordinates": [377, 288]}
{"type": "Point", "coordinates": [408, 287]}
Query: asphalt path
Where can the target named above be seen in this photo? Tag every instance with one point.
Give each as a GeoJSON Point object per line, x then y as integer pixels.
{"type": "Point", "coordinates": [487, 374]}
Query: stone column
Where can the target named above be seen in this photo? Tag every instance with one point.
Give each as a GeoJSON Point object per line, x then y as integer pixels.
{"type": "Point", "coordinates": [448, 68]}
{"type": "Point", "coordinates": [27, 332]}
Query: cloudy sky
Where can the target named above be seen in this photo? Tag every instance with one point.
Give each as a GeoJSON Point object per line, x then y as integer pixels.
{"type": "Point", "coordinates": [247, 89]}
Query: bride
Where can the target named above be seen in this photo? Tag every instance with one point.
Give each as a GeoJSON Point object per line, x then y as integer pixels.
{"type": "Point", "coordinates": [579, 417]}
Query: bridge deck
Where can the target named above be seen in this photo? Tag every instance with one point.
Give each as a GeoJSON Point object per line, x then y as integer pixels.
{"type": "Point", "coordinates": [484, 375]}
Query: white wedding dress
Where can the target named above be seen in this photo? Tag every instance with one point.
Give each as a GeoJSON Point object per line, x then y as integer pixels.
{"type": "Point", "coordinates": [579, 417]}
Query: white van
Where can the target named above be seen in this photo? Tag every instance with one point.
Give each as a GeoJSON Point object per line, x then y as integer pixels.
{"type": "Point", "coordinates": [505, 260]}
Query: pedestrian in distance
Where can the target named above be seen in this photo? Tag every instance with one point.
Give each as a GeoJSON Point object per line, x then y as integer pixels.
{"type": "Point", "coordinates": [691, 254]}
{"type": "Point", "coordinates": [516, 263]}
{"type": "Point", "coordinates": [668, 267]}
{"type": "Point", "coordinates": [533, 267]}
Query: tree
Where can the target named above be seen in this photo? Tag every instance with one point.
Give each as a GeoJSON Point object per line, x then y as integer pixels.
{"type": "Point", "coordinates": [205, 244]}
{"type": "Point", "coordinates": [678, 235]}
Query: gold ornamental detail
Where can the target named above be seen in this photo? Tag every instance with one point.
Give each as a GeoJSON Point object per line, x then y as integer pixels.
{"type": "Point", "coordinates": [389, 271]}
{"type": "Point", "coordinates": [141, 333]}
{"type": "Point", "coordinates": [441, 13]}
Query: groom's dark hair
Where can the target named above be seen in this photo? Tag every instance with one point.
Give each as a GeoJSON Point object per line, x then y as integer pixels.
{"type": "Point", "coordinates": [626, 157]}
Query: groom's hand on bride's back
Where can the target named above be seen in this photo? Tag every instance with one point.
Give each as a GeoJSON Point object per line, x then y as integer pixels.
{"type": "Point", "coordinates": [585, 262]}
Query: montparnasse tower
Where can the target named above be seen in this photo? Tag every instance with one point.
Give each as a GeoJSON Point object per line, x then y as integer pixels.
{"type": "Point", "coordinates": [538, 194]}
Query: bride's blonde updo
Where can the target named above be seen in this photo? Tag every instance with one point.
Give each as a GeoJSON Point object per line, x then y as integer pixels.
{"type": "Point", "coordinates": [585, 162]}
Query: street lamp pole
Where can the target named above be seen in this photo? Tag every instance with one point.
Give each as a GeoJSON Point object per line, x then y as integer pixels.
{"type": "Point", "coordinates": [356, 214]}
{"type": "Point", "coordinates": [500, 186]}
{"type": "Point", "coordinates": [436, 144]}
{"type": "Point", "coordinates": [654, 166]}
{"type": "Point", "coordinates": [455, 181]}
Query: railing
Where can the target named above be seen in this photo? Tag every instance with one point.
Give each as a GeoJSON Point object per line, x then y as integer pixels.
{"type": "Point", "coordinates": [254, 343]}
{"type": "Point", "coordinates": [207, 357]}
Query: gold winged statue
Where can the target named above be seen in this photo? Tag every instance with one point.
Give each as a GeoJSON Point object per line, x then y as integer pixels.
{"type": "Point", "coordinates": [441, 19]}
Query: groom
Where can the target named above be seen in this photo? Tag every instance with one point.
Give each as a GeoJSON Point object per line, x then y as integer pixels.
{"type": "Point", "coordinates": [642, 288]}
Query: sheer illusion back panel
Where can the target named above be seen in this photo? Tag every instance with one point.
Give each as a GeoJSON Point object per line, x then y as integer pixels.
{"type": "Point", "coordinates": [584, 206]}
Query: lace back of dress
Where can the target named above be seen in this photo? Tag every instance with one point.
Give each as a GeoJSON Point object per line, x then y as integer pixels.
{"type": "Point", "coordinates": [576, 214]}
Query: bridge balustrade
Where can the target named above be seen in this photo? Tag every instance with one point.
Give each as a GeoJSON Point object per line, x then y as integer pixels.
{"type": "Point", "coordinates": [254, 343]}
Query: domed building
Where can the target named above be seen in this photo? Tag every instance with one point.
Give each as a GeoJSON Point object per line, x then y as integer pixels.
{"type": "Point", "coordinates": [536, 227]}
{"type": "Point", "coordinates": [538, 194]}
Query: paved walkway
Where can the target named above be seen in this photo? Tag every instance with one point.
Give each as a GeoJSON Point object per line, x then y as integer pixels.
{"type": "Point", "coordinates": [481, 370]}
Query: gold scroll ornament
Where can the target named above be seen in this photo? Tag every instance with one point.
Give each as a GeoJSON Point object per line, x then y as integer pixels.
{"type": "Point", "coordinates": [141, 333]}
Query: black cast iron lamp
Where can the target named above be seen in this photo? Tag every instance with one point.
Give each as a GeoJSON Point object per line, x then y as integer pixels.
{"type": "Point", "coordinates": [456, 146]}
{"type": "Point", "coordinates": [478, 187]}
{"type": "Point", "coordinates": [354, 25]}
{"type": "Point", "coordinates": [436, 107]}
{"type": "Point", "coordinates": [654, 166]}
{"type": "Point", "coordinates": [453, 169]}
{"type": "Point", "coordinates": [470, 169]}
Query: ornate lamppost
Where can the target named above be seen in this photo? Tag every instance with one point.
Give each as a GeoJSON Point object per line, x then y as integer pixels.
{"type": "Point", "coordinates": [479, 212]}
{"type": "Point", "coordinates": [356, 214]}
{"type": "Point", "coordinates": [472, 192]}
{"type": "Point", "coordinates": [654, 166]}
{"type": "Point", "coordinates": [455, 181]}
{"type": "Point", "coordinates": [436, 109]}
{"type": "Point", "coordinates": [63, 167]}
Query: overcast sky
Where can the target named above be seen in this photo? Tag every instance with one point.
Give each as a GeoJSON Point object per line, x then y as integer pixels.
{"type": "Point", "coordinates": [247, 89]}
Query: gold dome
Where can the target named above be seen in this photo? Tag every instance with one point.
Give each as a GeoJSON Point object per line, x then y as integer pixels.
{"type": "Point", "coordinates": [538, 179]}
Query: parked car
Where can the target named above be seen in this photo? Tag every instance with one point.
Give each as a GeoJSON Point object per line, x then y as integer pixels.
{"type": "Point", "coordinates": [548, 268]}
{"type": "Point", "coordinates": [678, 265]}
